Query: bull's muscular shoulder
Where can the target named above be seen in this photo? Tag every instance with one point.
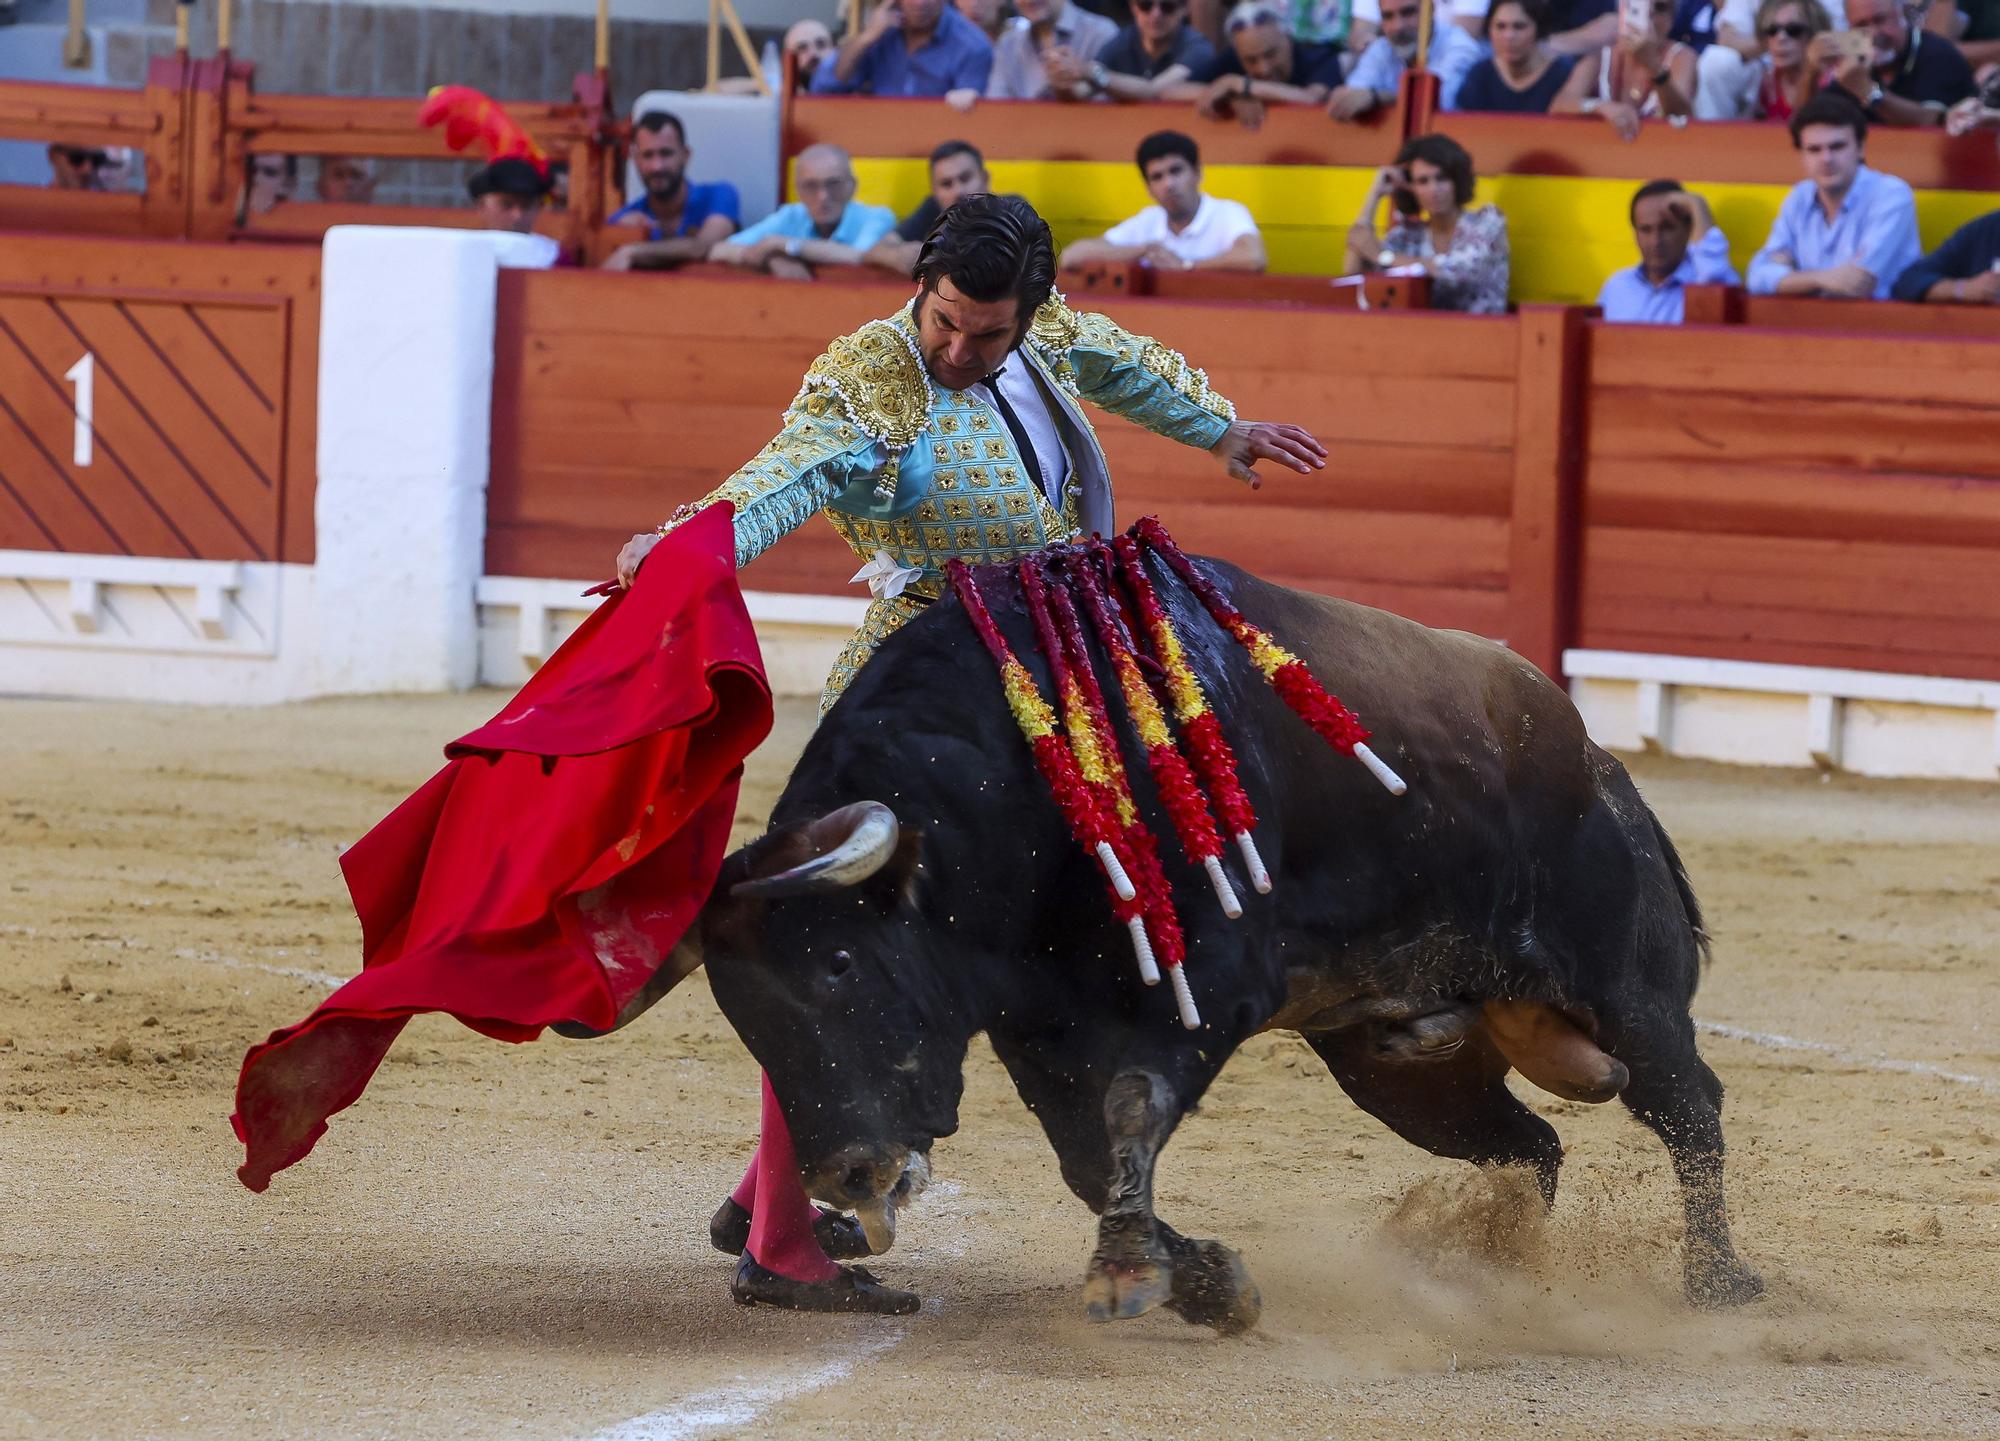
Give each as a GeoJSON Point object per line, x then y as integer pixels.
{"type": "Point", "coordinates": [877, 380]}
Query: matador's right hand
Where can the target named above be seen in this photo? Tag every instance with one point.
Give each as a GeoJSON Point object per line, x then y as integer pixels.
{"type": "Point", "coordinates": [634, 555]}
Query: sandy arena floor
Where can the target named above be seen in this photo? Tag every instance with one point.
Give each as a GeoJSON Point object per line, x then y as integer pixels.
{"type": "Point", "coordinates": [510, 1240]}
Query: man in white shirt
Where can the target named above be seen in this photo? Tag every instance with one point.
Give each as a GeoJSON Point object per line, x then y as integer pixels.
{"type": "Point", "coordinates": [1185, 229]}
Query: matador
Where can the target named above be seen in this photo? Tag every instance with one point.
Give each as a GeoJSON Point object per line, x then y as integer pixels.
{"type": "Point", "coordinates": [950, 430]}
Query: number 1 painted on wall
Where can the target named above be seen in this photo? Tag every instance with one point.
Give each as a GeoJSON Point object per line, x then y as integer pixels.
{"type": "Point", "coordinates": [84, 376]}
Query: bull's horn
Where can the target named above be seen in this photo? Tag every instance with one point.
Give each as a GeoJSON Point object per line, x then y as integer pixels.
{"type": "Point", "coordinates": [850, 845]}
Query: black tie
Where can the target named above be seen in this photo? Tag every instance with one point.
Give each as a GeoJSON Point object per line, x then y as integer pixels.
{"type": "Point", "coordinates": [1015, 428]}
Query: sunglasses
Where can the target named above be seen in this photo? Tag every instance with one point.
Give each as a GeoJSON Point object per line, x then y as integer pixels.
{"type": "Point", "coordinates": [1791, 30]}
{"type": "Point", "coordinates": [87, 159]}
{"type": "Point", "coordinates": [1163, 7]}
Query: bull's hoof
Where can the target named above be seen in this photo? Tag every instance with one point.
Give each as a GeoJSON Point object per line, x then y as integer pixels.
{"type": "Point", "coordinates": [853, 1290]}
{"type": "Point", "coordinates": [1717, 1280]}
{"type": "Point", "coordinates": [1120, 1290]}
{"type": "Point", "coordinates": [1212, 1287]}
{"type": "Point", "coordinates": [838, 1235]}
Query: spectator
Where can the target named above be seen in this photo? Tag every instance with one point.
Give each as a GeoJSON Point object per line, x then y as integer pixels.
{"type": "Point", "coordinates": [1059, 31]}
{"type": "Point", "coordinates": [957, 170]}
{"type": "Point", "coordinates": [1377, 72]}
{"type": "Point", "coordinates": [989, 15]}
{"type": "Point", "coordinates": [909, 47]}
{"type": "Point", "coordinates": [1975, 26]}
{"type": "Point", "coordinates": [1266, 66]}
{"type": "Point", "coordinates": [825, 227]}
{"type": "Point", "coordinates": [1679, 245]}
{"type": "Point", "coordinates": [1965, 270]}
{"type": "Point", "coordinates": [1912, 78]}
{"type": "Point", "coordinates": [270, 181]}
{"type": "Point", "coordinates": [1981, 112]}
{"type": "Point", "coordinates": [1775, 83]}
{"type": "Point", "coordinates": [1184, 229]}
{"type": "Point", "coordinates": [346, 180]}
{"type": "Point", "coordinates": [806, 43]}
{"type": "Point", "coordinates": [1645, 75]}
{"type": "Point", "coordinates": [1845, 230]}
{"type": "Point", "coordinates": [1343, 24]}
{"type": "Point", "coordinates": [1157, 52]}
{"type": "Point", "coordinates": [510, 193]}
{"type": "Point", "coordinates": [1521, 76]}
{"type": "Point", "coordinates": [79, 167]}
{"type": "Point", "coordinates": [683, 221]}
{"type": "Point", "coordinates": [1463, 251]}
{"type": "Point", "coordinates": [1578, 27]}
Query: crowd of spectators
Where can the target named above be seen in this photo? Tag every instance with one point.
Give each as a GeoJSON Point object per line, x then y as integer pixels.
{"type": "Point", "coordinates": [1629, 61]}
{"type": "Point", "coordinates": [1828, 69]}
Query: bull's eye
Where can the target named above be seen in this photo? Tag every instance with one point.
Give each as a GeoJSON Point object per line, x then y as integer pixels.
{"type": "Point", "coordinates": [840, 964]}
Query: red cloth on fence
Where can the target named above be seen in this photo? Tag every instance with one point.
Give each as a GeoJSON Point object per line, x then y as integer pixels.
{"type": "Point", "coordinates": [553, 863]}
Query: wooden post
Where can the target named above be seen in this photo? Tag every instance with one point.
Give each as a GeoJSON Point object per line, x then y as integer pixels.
{"type": "Point", "coordinates": [714, 43]}
{"type": "Point", "coordinates": [76, 40]}
{"type": "Point", "coordinates": [1545, 533]}
{"type": "Point", "coordinates": [603, 50]}
{"type": "Point", "coordinates": [224, 27]}
{"type": "Point", "coordinates": [181, 13]}
{"type": "Point", "coordinates": [1421, 102]}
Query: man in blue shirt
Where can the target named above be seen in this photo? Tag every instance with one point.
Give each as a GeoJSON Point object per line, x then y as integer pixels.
{"type": "Point", "coordinates": [1378, 70]}
{"type": "Point", "coordinates": [910, 48]}
{"type": "Point", "coordinates": [825, 226]}
{"type": "Point", "coordinates": [1845, 230]}
{"type": "Point", "coordinates": [683, 222]}
{"type": "Point", "coordinates": [1965, 270]}
{"type": "Point", "coordinates": [1679, 245]}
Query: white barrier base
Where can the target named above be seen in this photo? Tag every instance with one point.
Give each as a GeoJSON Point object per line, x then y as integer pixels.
{"type": "Point", "coordinates": [1867, 722]}
{"type": "Point", "coordinates": [523, 620]}
{"type": "Point", "coordinates": [113, 627]}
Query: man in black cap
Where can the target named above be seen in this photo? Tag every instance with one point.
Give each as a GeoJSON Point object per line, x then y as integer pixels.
{"type": "Point", "coordinates": [509, 192]}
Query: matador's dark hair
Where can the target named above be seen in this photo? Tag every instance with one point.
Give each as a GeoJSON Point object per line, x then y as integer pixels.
{"type": "Point", "coordinates": [992, 247]}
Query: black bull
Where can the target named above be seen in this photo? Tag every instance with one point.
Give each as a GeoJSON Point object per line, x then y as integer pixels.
{"type": "Point", "coordinates": [1522, 866]}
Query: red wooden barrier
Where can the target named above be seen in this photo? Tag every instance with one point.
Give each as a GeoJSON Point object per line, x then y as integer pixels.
{"type": "Point", "coordinates": [615, 402]}
{"type": "Point", "coordinates": [1750, 497]}
{"type": "Point", "coordinates": [204, 365]}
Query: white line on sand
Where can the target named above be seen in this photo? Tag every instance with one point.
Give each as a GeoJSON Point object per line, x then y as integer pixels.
{"type": "Point", "coordinates": [734, 1407]}
{"type": "Point", "coordinates": [1842, 1054]}
{"type": "Point", "coordinates": [296, 973]}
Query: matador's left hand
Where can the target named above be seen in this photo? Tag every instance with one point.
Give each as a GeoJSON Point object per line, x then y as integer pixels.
{"type": "Point", "coordinates": [1248, 441]}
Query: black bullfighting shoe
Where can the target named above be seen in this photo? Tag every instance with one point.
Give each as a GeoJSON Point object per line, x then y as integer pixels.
{"type": "Point", "coordinates": [841, 1237]}
{"type": "Point", "coordinates": [854, 1289]}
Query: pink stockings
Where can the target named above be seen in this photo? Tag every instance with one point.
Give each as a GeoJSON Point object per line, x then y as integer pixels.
{"type": "Point", "coordinates": [781, 1216]}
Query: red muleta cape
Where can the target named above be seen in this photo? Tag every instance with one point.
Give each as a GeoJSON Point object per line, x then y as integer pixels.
{"type": "Point", "coordinates": [550, 867]}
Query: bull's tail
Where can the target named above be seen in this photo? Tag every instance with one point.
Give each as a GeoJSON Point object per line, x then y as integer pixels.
{"type": "Point", "coordinates": [1683, 888]}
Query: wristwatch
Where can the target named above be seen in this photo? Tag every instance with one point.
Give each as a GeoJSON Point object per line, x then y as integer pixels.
{"type": "Point", "coordinates": [794, 246]}
{"type": "Point", "coordinates": [1874, 97]}
{"type": "Point", "coordinates": [1100, 77]}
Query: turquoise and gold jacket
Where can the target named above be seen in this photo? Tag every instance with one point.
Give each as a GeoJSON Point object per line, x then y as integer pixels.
{"type": "Point", "coordinates": [926, 475]}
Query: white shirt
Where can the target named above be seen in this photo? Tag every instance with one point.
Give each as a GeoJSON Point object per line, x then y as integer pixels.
{"type": "Point", "coordinates": [1031, 408]}
{"type": "Point", "coordinates": [1217, 225]}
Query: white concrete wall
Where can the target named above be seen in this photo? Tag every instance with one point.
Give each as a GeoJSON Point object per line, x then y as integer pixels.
{"type": "Point", "coordinates": [1746, 713]}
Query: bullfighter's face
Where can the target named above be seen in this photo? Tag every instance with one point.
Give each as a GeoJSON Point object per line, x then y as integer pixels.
{"type": "Point", "coordinates": [965, 340]}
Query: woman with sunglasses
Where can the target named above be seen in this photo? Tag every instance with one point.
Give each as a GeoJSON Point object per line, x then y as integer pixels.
{"type": "Point", "coordinates": [1783, 75]}
{"type": "Point", "coordinates": [1646, 75]}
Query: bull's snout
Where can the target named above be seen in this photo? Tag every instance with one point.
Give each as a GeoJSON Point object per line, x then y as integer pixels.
{"type": "Point", "coordinates": [859, 1173]}
{"type": "Point", "coordinates": [874, 1180]}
